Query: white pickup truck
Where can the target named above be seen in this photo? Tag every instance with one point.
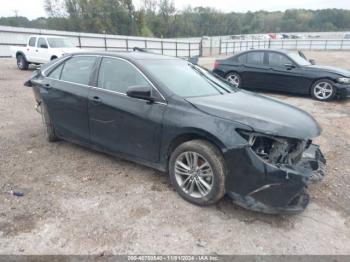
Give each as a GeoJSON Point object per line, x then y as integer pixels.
{"type": "Point", "coordinates": [41, 49]}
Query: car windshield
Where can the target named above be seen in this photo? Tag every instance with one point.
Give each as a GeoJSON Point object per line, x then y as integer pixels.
{"type": "Point", "coordinates": [187, 80]}
{"type": "Point", "coordinates": [60, 43]}
{"type": "Point", "coordinates": [298, 59]}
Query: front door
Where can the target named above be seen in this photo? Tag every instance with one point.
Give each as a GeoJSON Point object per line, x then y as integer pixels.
{"type": "Point", "coordinates": [285, 75]}
{"type": "Point", "coordinates": [119, 123]}
{"type": "Point", "coordinates": [42, 54]}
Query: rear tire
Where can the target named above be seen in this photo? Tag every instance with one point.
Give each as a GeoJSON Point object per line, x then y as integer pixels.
{"type": "Point", "coordinates": [323, 90]}
{"type": "Point", "coordinates": [22, 63]}
{"type": "Point", "coordinates": [197, 171]}
{"type": "Point", "coordinates": [48, 126]}
{"type": "Point", "coordinates": [234, 78]}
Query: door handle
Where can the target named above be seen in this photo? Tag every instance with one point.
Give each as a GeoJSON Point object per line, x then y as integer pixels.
{"type": "Point", "coordinates": [96, 100]}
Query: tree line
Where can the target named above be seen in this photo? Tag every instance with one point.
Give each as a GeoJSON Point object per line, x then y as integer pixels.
{"type": "Point", "coordinates": [160, 18]}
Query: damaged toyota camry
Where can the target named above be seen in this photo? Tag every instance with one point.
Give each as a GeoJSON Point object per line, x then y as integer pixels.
{"type": "Point", "coordinates": [210, 137]}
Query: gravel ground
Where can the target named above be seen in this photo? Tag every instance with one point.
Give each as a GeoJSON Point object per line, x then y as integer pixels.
{"type": "Point", "coordinates": [78, 201]}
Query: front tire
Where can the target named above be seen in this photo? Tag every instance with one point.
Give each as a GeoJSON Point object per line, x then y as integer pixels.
{"type": "Point", "coordinates": [323, 90]}
{"type": "Point", "coordinates": [48, 126]}
{"type": "Point", "coordinates": [197, 171]}
{"type": "Point", "coordinates": [22, 63]}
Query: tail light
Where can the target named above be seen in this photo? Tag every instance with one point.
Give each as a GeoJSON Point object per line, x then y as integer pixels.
{"type": "Point", "coordinates": [216, 64]}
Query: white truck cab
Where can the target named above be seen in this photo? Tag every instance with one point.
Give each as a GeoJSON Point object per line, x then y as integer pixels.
{"type": "Point", "coordinates": [41, 49]}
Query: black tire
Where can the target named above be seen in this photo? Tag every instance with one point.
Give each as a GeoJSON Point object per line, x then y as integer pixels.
{"type": "Point", "coordinates": [216, 162]}
{"type": "Point", "coordinates": [323, 90]}
{"type": "Point", "coordinates": [22, 62]}
{"type": "Point", "coordinates": [53, 58]}
{"type": "Point", "coordinates": [48, 126]}
{"type": "Point", "coordinates": [234, 78]}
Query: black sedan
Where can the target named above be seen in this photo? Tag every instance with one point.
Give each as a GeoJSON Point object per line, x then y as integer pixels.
{"type": "Point", "coordinates": [285, 71]}
{"type": "Point", "coordinates": [213, 139]}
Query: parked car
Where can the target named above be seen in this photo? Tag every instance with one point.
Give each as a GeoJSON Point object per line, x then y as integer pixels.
{"type": "Point", "coordinates": [285, 71]}
{"type": "Point", "coordinates": [41, 49]}
{"type": "Point", "coordinates": [166, 113]}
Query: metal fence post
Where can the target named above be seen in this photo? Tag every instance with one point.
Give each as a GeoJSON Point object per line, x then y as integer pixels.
{"type": "Point", "coordinates": [189, 49]}
{"type": "Point", "coordinates": [269, 44]}
{"type": "Point", "coordinates": [162, 47]}
{"type": "Point", "coordinates": [79, 41]}
{"type": "Point", "coordinates": [226, 47]}
{"type": "Point", "coordinates": [341, 44]}
{"type": "Point", "coordinates": [325, 46]}
{"type": "Point", "coordinates": [105, 42]}
{"type": "Point", "coordinates": [145, 43]}
{"type": "Point", "coordinates": [176, 49]}
{"type": "Point", "coordinates": [220, 46]}
{"type": "Point", "coordinates": [127, 44]}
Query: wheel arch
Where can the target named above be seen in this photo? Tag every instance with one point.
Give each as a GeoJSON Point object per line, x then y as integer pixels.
{"type": "Point", "coordinates": [21, 53]}
{"type": "Point", "coordinates": [233, 71]}
{"type": "Point", "coordinates": [193, 134]}
{"type": "Point", "coordinates": [53, 57]}
{"type": "Point", "coordinates": [318, 79]}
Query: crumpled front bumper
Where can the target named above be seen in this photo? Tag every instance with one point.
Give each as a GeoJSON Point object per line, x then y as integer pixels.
{"type": "Point", "coordinates": [275, 189]}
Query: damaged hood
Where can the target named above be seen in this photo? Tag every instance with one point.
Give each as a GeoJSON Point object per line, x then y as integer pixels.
{"type": "Point", "coordinates": [265, 115]}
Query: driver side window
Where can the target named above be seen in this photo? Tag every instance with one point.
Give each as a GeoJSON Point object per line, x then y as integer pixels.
{"type": "Point", "coordinates": [117, 75]}
{"type": "Point", "coordinates": [276, 59]}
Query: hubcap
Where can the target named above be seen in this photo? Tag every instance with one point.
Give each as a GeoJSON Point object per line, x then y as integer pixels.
{"type": "Point", "coordinates": [233, 79]}
{"type": "Point", "coordinates": [194, 174]}
{"type": "Point", "coordinates": [323, 90]}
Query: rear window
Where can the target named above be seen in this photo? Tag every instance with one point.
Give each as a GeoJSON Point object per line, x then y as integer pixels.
{"type": "Point", "coordinates": [32, 41]}
{"type": "Point", "coordinates": [56, 73]}
{"type": "Point", "coordinates": [242, 59]}
{"type": "Point", "coordinates": [255, 58]}
{"type": "Point", "coordinates": [78, 69]}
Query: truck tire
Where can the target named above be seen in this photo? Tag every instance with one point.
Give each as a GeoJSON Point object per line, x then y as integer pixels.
{"type": "Point", "coordinates": [22, 62]}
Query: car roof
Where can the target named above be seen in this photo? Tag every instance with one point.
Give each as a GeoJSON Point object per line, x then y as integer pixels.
{"type": "Point", "coordinates": [284, 51]}
{"type": "Point", "coordinates": [136, 55]}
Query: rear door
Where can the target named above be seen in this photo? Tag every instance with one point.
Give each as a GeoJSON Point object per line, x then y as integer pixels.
{"type": "Point", "coordinates": [254, 72]}
{"type": "Point", "coordinates": [122, 124]}
{"type": "Point", "coordinates": [65, 93]}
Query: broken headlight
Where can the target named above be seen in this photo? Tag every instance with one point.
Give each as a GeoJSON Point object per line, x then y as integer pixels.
{"type": "Point", "coordinates": [275, 149]}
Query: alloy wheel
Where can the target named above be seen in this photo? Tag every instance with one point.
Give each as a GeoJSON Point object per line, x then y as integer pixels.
{"type": "Point", "coordinates": [323, 90]}
{"type": "Point", "coordinates": [193, 174]}
{"type": "Point", "coordinates": [233, 79]}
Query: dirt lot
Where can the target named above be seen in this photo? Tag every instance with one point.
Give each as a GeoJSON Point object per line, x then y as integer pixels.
{"type": "Point", "coordinates": [78, 201]}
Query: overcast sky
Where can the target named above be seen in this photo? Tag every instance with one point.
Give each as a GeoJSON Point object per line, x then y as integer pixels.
{"type": "Point", "coordinates": [34, 8]}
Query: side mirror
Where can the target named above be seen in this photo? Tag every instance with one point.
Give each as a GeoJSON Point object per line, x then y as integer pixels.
{"type": "Point", "coordinates": [312, 61]}
{"type": "Point", "coordinates": [140, 92]}
{"type": "Point", "coordinates": [289, 66]}
{"type": "Point", "coordinates": [43, 46]}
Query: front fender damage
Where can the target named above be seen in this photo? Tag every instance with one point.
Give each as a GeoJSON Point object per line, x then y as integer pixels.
{"type": "Point", "coordinates": [275, 175]}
